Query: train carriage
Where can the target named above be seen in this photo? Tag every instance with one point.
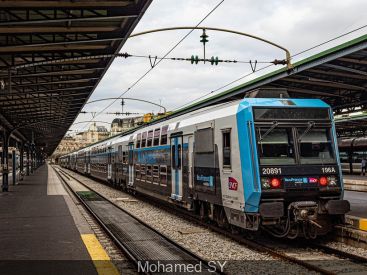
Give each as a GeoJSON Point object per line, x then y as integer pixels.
{"type": "Point", "coordinates": [352, 152]}
{"type": "Point", "coordinates": [268, 163]}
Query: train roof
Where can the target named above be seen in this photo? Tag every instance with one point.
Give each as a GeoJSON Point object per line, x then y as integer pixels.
{"type": "Point", "coordinates": [284, 102]}
{"type": "Point", "coordinates": [210, 113]}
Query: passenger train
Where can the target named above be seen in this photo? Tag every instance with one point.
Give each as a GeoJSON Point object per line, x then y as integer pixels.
{"type": "Point", "coordinates": [250, 164]}
{"type": "Point", "coordinates": [352, 151]}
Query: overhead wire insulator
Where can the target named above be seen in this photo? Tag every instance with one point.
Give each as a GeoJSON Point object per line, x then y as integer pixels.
{"type": "Point", "coordinates": [214, 60]}
{"type": "Point", "coordinates": [279, 62]}
{"type": "Point", "coordinates": [194, 59]}
{"type": "Point", "coordinates": [204, 37]}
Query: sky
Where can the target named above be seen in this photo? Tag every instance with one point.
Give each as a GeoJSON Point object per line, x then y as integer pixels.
{"type": "Point", "coordinates": [295, 25]}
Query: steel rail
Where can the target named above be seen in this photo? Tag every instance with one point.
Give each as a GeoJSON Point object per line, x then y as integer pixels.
{"type": "Point", "coordinates": [251, 243]}
{"type": "Point", "coordinates": [100, 222]}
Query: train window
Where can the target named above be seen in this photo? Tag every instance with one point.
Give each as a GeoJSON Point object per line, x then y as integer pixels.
{"type": "Point", "coordinates": [149, 173]}
{"type": "Point", "coordinates": [315, 146]}
{"type": "Point", "coordinates": [144, 139]}
{"type": "Point", "coordinates": [142, 172]}
{"type": "Point", "coordinates": [173, 154]}
{"type": "Point", "coordinates": [275, 146]}
{"type": "Point", "coordinates": [124, 157]}
{"type": "Point", "coordinates": [164, 135]}
{"type": "Point", "coordinates": [163, 169]}
{"type": "Point", "coordinates": [137, 171]}
{"type": "Point", "coordinates": [156, 174]}
{"type": "Point", "coordinates": [163, 175]}
{"type": "Point", "coordinates": [150, 138]}
{"type": "Point", "coordinates": [157, 133]}
{"type": "Point", "coordinates": [138, 141]}
{"type": "Point", "coordinates": [179, 152]}
{"type": "Point", "coordinates": [226, 144]}
{"type": "Point", "coordinates": [204, 141]}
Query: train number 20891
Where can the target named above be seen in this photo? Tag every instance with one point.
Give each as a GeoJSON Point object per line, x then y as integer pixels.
{"type": "Point", "coordinates": [271, 171]}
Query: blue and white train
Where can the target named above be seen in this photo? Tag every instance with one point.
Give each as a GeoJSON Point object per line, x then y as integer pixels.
{"type": "Point", "coordinates": [269, 163]}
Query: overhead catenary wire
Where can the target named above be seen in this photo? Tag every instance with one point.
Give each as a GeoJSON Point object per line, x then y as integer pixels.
{"type": "Point", "coordinates": [160, 60]}
{"type": "Point", "coordinates": [265, 67]}
{"type": "Point", "coordinates": [206, 59]}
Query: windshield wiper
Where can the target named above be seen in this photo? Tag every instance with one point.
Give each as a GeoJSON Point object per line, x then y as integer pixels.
{"type": "Point", "coordinates": [275, 124]}
{"type": "Point", "coordinates": [310, 125]}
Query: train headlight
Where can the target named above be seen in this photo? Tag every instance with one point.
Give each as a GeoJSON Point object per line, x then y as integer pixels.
{"type": "Point", "coordinates": [265, 183]}
{"type": "Point", "coordinates": [332, 181]}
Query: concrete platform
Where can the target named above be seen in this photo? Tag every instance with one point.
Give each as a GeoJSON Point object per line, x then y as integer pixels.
{"type": "Point", "coordinates": [358, 203]}
{"type": "Point", "coordinates": [355, 183]}
{"type": "Point", "coordinates": [38, 231]}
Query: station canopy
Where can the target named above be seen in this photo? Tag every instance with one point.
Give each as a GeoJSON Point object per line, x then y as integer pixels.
{"type": "Point", "coordinates": [337, 76]}
{"type": "Point", "coordinates": [352, 126]}
{"type": "Point", "coordinates": [52, 56]}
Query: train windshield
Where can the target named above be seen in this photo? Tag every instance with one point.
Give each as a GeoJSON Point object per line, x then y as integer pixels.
{"type": "Point", "coordinates": [286, 136]}
{"type": "Point", "coordinates": [275, 145]}
{"type": "Point", "coordinates": [315, 146]}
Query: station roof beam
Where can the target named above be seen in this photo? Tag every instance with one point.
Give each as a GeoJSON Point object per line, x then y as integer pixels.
{"type": "Point", "coordinates": [49, 96]}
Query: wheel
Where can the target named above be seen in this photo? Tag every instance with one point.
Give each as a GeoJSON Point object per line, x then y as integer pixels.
{"type": "Point", "coordinates": [222, 219]}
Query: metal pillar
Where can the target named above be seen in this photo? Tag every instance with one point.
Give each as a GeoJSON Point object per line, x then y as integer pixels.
{"type": "Point", "coordinates": [32, 162]}
{"type": "Point", "coordinates": [4, 163]}
{"type": "Point", "coordinates": [27, 168]}
{"type": "Point", "coordinates": [21, 159]}
{"type": "Point", "coordinates": [14, 160]}
{"type": "Point", "coordinates": [32, 153]}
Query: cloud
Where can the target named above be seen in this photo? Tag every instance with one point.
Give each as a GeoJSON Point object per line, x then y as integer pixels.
{"type": "Point", "coordinates": [297, 25]}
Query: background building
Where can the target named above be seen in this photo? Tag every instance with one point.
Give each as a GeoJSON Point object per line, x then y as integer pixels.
{"type": "Point", "coordinates": [120, 125]}
{"type": "Point", "coordinates": [97, 133]}
{"type": "Point", "coordinates": [71, 143]}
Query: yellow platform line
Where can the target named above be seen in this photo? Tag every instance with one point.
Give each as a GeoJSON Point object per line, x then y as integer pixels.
{"type": "Point", "coordinates": [100, 258]}
{"type": "Point", "coordinates": [363, 224]}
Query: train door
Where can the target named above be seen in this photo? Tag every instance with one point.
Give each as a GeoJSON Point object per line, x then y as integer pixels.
{"type": "Point", "coordinates": [190, 154]}
{"type": "Point", "coordinates": [88, 162]}
{"type": "Point", "coordinates": [109, 163]}
{"type": "Point", "coordinates": [85, 161]}
{"type": "Point", "coordinates": [131, 163]}
{"type": "Point", "coordinates": [176, 164]}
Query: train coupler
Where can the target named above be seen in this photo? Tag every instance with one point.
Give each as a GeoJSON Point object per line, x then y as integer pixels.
{"type": "Point", "coordinates": [304, 210]}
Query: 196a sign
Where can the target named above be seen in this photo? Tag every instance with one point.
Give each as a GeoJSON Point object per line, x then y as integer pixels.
{"type": "Point", "coordinates": [327, 170]}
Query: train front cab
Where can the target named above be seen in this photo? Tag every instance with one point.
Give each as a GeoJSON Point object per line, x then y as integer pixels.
{"type": "Point", "coordinates": [297, 186]}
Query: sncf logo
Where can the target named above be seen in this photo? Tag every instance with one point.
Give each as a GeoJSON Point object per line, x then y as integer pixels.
{"type": "Point", "coordinates": [312, 180]}
{"type": "Point", "coordinates": [232, 184]}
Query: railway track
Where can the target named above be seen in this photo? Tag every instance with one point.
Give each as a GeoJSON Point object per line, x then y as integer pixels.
{"type": "Point", "coordinates": [311, 255]}
{"type": "Point", "coordinates": [150, 251]}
